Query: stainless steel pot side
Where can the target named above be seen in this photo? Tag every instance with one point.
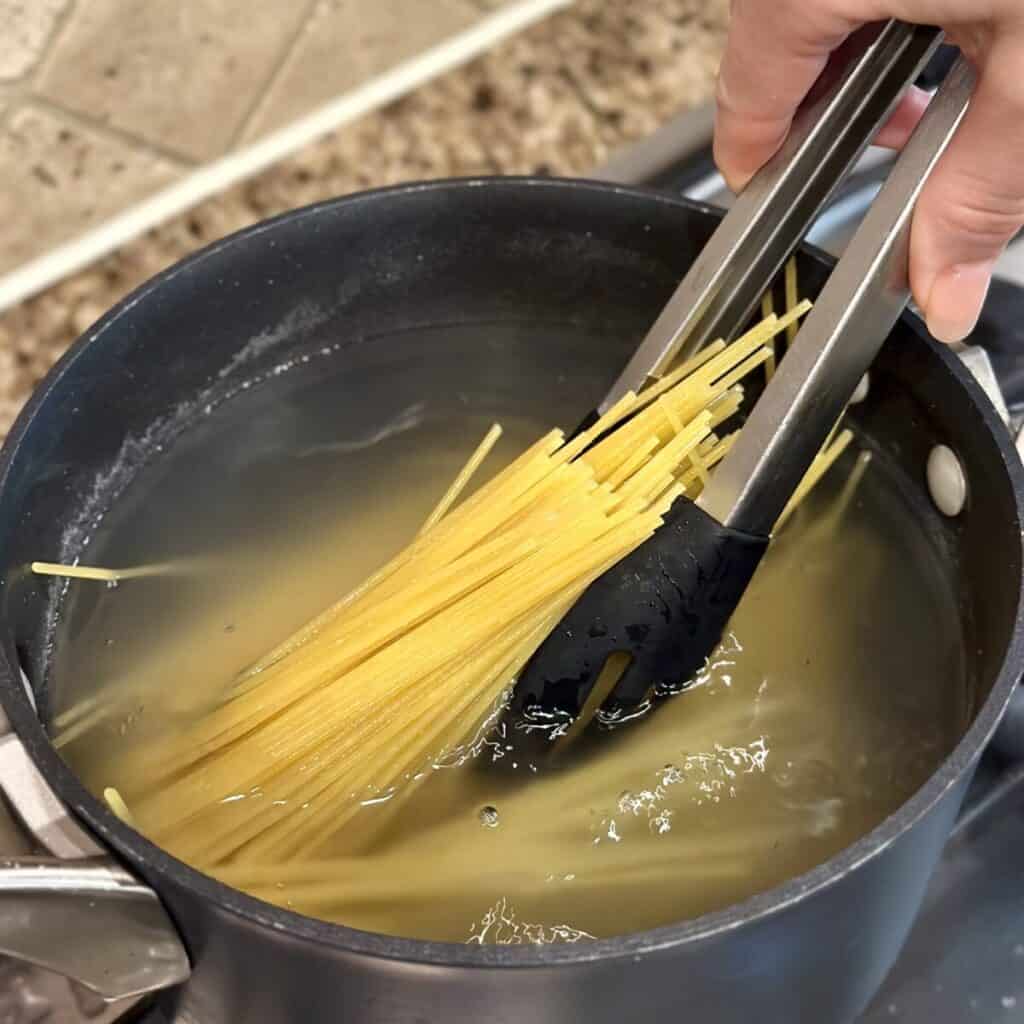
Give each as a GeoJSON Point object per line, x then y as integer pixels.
{"type": "Point", "coordinates": [589, 265]}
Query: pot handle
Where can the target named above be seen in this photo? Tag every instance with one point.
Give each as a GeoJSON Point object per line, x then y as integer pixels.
{"type": "Point", "coordinates": [76, 912]}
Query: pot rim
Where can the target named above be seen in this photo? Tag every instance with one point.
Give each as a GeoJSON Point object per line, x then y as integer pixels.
{"type": "Point", "coordinates": [154, 863]}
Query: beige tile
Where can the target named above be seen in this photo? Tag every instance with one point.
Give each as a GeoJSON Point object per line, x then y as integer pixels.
{"type": "Point", "coordinates": [59, 179]}
{"type": "Point", "coordinates": [25, 27]}
{"type": "Point", "coordinates": [182, 74]}
{"type": "Point", "coordinates": [349, 41]}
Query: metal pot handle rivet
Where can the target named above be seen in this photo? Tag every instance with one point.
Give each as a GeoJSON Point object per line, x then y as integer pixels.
{"type": "Point", "coordinates": [947, 483]}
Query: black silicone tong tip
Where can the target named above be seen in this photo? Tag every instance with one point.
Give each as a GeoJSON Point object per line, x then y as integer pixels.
{"type": "Point", "coordinates": [670, 601]}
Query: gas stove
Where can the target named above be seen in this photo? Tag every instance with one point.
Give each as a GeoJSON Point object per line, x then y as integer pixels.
{"type": "Point", "coordinates": [964, 960]}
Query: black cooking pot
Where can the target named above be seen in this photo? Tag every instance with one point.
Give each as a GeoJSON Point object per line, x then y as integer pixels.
{"type": "Point", "coordinates": [591, 264]}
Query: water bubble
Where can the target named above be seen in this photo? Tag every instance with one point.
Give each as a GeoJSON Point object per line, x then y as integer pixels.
{"type": "Point", "coordinates": [489, 817]}
{"type": "Point", "coordinates": [661, 823]}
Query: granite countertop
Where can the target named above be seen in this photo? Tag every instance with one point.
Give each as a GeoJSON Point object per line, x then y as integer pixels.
{"type": "Point", "coordinates": [557, 99]}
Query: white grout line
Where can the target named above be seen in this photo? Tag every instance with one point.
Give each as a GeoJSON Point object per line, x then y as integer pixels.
{"type": "Point", "coordinates": [215, 177]}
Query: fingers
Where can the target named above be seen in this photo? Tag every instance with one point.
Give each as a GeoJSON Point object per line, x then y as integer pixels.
{"type": "Point", "coordinates": [904, 120]}
{"type": "Point", "coordinates": [774, 55]}
{"type": "Point", "coordinates": [973, 204]}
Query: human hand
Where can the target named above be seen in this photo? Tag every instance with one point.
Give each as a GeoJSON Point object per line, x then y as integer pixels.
{"type": "Point", "coordinates": [972, 205]}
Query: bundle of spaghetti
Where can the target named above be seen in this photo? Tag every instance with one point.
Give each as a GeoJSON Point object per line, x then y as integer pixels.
{"type": "Point", "coordinates": [364, 698]}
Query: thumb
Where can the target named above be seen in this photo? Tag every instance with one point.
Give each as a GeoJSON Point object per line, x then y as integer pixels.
{"type": "Point", "coordinates": [973, 204]}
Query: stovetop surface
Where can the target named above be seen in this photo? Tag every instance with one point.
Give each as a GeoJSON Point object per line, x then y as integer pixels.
{"type": "Point", "coordinates": [964, 960]}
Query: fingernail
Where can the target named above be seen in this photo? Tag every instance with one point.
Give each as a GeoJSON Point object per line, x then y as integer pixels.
{"type": "Point", "coordinates": [956, 298]}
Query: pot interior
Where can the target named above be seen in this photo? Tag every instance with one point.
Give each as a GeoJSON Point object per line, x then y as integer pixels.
{"type": "Point", "coordinates": [274, 417]}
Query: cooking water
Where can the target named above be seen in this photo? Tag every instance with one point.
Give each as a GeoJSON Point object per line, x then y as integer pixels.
{"type": "Point", "coordinates": [836, 693]}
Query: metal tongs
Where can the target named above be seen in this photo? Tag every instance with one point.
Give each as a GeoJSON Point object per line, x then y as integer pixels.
{"type": "Point", "coordinates": [668, 603]}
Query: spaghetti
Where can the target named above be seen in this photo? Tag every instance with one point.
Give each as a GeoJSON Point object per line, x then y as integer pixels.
{"type": "Point", "coordinates": [363, 700]}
